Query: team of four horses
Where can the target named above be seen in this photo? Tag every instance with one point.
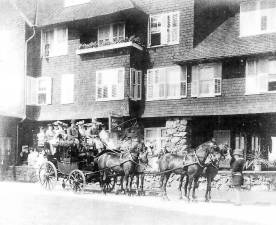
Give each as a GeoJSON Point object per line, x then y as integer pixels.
{"type": "Point", "coordinates": [135, 160]}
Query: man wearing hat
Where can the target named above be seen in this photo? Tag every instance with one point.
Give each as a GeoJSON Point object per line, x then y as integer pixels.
{"type": "Point", "coordinates": [73, 133]}
{"type": "Point", "coordinates": [41, 138]}
{"type": "Point", "coordinates": [50, 134]}
{"type": "Point", "coordinates": [237, 164]}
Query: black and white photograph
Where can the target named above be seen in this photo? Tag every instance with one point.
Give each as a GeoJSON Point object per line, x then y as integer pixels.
{"type": "Point", "coordinates": [137, 112]}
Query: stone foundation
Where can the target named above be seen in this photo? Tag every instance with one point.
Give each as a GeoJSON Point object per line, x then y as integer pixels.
{"type": "Point", "coordinates": [178, 135]}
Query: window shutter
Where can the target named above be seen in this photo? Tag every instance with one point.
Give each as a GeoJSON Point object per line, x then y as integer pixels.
{"type": "Point", "coordinates": [139, 84]}
{"type": "Point", "coordinates": [120, 86]}
{"type": "Point", "coordinates": [217, 79]}
{"type": "Point", "coordinates": [67, 89]}
{"type": "Point", "coordinates": [251, 77]}
{"type": "Point", "coordinates": [150, 78]}
{"type": "Point", "coordinates": [132, 82]}
{"type": "Point", "coordinates": [48, 81]}
{"type": "Point", "coordinates": [195, 82]}
{"type": "Point", "coordinates": [173, 28]}
{"type": "Point", "coordinates": [183, 82]}
{"type": "Point", "coordinates": [31, 90]}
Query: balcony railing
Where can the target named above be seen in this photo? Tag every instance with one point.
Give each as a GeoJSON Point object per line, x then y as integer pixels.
{"type": "Point", "coordinates": [96, 47]}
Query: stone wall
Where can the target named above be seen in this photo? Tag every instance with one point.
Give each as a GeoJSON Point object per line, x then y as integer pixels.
{"type": "Point", "coordinates": [178, 135]}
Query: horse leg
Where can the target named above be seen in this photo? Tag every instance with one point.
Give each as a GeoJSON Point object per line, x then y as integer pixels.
{"type": "Point", "coordinates": [137, 184]}
{"type": "Point", "coordinates": [208, 190]}
{"type": "Point", "coordinates": [186, 186]}
{"type": "Point", "coordinates": [194, 187]}
{"type": "Point", "coordinates": [142, 183]}
{"type": "Point", "coordinates": [166, 178]}
{"type": "Point", "coordinates": [190, 182]}
{"type": "Point", "coordinates": [180, 186]}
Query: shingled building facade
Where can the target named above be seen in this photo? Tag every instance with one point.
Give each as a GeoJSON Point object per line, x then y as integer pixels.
{"type": "Point", "coordinates": [189, 70]}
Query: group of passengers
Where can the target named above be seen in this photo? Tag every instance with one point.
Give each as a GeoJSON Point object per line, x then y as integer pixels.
{"type": "Point", "coordinates": [93, 134]}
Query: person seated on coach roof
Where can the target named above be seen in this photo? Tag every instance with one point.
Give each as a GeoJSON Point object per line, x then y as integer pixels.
{"type": "Point", "coordinates": [41, 138]}
{"type": "Point", "coordinates": [73, 132]}
{"type": "Point", "coordinates": [50, 134]}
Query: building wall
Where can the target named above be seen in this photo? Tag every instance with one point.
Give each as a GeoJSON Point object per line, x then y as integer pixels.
{"type": "Point", "coordinates": [12, 105]}
{"type": "Point", "coordinates": [12, 48]}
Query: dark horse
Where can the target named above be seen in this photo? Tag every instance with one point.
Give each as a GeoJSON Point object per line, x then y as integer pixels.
{"type": "Point", "coordinates": [211, 169]}
{"type": "Point", "coordinates": [122, 164]}
{"type": "Point", "coordinates": [190, 165]}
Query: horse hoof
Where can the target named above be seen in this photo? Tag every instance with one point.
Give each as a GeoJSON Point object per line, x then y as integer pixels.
{"type": "Point", "coordinates": [166, 198]}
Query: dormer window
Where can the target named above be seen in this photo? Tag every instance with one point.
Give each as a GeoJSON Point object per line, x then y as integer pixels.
{"type": "Point", "coordinates": [68, 3]}
{"type": "Point", "coordinates": [257, 17]}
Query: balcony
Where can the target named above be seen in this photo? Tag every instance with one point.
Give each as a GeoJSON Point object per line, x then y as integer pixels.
{"type": "Point", "coordinates": [96, 47]}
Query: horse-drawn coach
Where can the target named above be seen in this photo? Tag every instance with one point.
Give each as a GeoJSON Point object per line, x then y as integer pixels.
{"type": "Point", "coordinates": [77, 161]}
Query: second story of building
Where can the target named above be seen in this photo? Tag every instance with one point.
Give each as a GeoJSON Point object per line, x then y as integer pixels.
{"type": "Point", "coordinates": [177, 58]}
{"type": "Point", "coordinates": [89, 57]}
{"type": "Point", "coordinates": [231, 68]}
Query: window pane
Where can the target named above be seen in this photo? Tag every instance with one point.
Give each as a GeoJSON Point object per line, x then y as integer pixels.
{"type": "Point", "coordinates": [205, 87]}
{"type": "Point", "coordinates": [155, 25]}
{"type": "Point", "coordinates": [272, 86]}
{"type": "Point", "coordinates": [42, 98]}
{"type": "Point", "coordinates": [264, 23]}
{"type": "Point", "coordinates": [272, 67]}
{"type": "Point", "coordinates": [251, 67]}
{"type": "Point", "coordinates": [105, 92]}
{"type": "Point", "coordinates": [104, 34]}
{"type": "Point", "coordinates": [155, 39]}
{"type": "Point", "coordinates": [206, 73]}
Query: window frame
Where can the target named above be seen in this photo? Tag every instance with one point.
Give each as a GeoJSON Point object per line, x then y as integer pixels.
{"type": "Point", "coordinates": [120, 90]}
{"type": "Point", "coordinates": [53, 53]}
{"type": "Point", "coordinates": [182, 73]}
{"type": "Point", "coordinates": [159, 137]}
{"type": "Point", "coordinates": [110, 25]}
{"type": "Point", "coordinates": [47, 92]}
{"type": "Point", "coordinates": [137, 84]}
{"type": "Point", "coordinates": [259, 77]}
{"type": "Point", "coordinates": [259, 14]}
{"type": "Point", "coordinates": [216, 79]}
{"type": "Point", "coordinates": [162, 29]}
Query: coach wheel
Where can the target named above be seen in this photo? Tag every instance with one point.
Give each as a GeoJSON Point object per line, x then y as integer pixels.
{"type": "Point", "coordinates": [109, 183]}
{"type": "Point", "coordinates": [77, 180]}
{"type": "Point", "coordinates": [47, 175]}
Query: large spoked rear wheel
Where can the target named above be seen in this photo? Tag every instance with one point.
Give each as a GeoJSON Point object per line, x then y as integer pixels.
{"type": "Point", "coordinates": [77, 180]}
{"type": "Point", "coordinates": [47, 175]}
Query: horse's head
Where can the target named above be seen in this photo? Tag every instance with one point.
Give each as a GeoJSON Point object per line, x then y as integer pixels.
{"type": "Point", "coordinates": [143, 156]}
{"type": "Point", "coordinates": [217, 154]}
{"type": "Point", "coordinates": [205, 149]}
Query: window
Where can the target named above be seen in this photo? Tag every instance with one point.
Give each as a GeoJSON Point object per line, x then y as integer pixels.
{"type": "Point", "coordinates": [260, 76]}
{"type": "Point", "coordinates": [156, 137]}
{"type": "Point", "coordinates": [110, 84]}
{"type": "Point", "coordinates": [39, 90]}
{"type": "Point", "coordinates": [166, 83]}
{"type": "Point", "coordinates": [68, 3]}
{"type": "Point", "coordinates": [257, 17]}
{"type": "Point", "coordinates": [163, 29]}
{"type": "Point", "coordinates": [135, 84]}
{"type": "Point", "coordinates": [111, 33]}
{"type": "Point", "coordinates": [44, 90]}
{"type": "Point", "coordinates": [54, 42]}
{"type": "Point", "coordinates": [206, 80]}
{"type": "Point", "coordinates": [67, 89]}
